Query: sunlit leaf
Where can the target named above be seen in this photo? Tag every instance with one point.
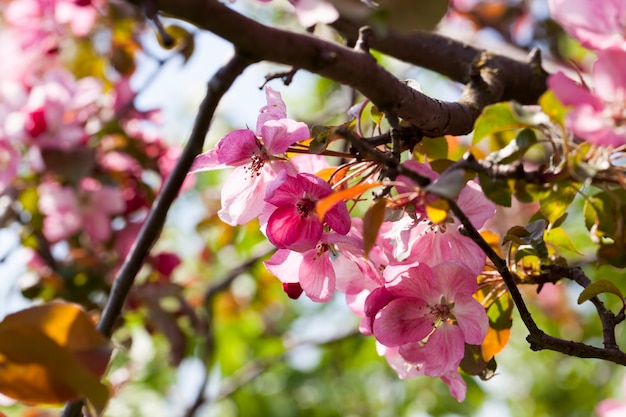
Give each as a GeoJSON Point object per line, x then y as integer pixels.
{"type": "Point", "coordinates": [52, 353]}
{"type": "Point", "coordinates": [437, 211]}
{"type": "Point", "coordinates": [515, 149]}
{"type": "Point", "coordinates": [555, 204]}
{"type": "Point", "coordinates": [372, 220]}
{"type": "Point", "coordinates": [330, 201]}
{"type": "Point", "coordinates": [495, 118]}
{"type": "Point", "coordinates": [552, 107]}
{"type": "Point", "coordinates": [433, 148]}
{"type": "Point", "coordinates": [500, 322]}
{"type": "Point", "coordinates": [599, 287]}
{"type": "Point", "coordinates": [560, 240]}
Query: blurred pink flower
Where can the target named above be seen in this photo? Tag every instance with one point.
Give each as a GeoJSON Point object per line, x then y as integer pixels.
{"type": "Point", "coordinates": [595, 24]}
{"type": "Point", "coordinates": [611, 407]}
{"type": "Point", "coordinates": [598, 116]}
{"type": "Point", "coordinates": [40, 24]}
{"type": "Point", "coordinates": [68, 211]}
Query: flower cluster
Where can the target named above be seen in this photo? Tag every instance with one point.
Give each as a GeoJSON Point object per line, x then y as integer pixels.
{"type": "Point", "coordinates": [77, 139]}
{"type": "Point", "coordinates": [598, 115]}
{"type": "Point", "coordinates": [413, 289]}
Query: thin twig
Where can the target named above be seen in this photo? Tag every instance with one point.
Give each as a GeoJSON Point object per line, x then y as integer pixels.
{"type": "Point", "coordinates": [151, 229]}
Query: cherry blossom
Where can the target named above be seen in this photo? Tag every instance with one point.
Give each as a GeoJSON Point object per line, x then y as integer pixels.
{"type": "Point", "coordinates": [314, 271]}
{"type": "Point", "coordinates": [598, 116]}
{"type": "Point", "coordinates": [596, 26]}
{"type": "Point", "coordinates": [256, 157]}
{"type": "Point", "coordinates": [294, 224]}
{"type": "Point", "coordinates": [430, 315]}
{"type": "Point", "coordinates": [433, 243]}
{"type": "Point", "coordinates": [611, 407]}
{"type": "Point", "coordinates": [67, 211]}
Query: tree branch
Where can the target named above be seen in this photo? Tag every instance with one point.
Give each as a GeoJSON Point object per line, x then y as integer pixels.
{"type": "Point", "coordinates": [150, 230]}
{"type": "Point", "coordinates": [356, 68]}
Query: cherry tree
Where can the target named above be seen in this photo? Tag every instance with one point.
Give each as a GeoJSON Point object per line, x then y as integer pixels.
{"type": "Point", "coordinates": [426, 219]}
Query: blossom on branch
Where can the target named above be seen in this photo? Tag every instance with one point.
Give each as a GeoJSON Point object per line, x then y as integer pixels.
{"type": "Point", "coordinates": [257, 159]}
{"type": "Point", "coordinates": [598, 116]}
{"type": "Point", "coordinates": [293, 223]}
{"type": "Point", "coordinates": [595, 25]}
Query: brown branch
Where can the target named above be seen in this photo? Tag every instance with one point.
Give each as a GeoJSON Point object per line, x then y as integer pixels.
{"type": "Point", "coordinates": [537, 338]}
{"type": "Point", "coordinates": [350, 67]}
{"type": "Point", "coordinates": [609, 320]}
{"type": "Point", "coordinates": [219, 84]}
{"type": "Point", "coordinates": [523, 81]}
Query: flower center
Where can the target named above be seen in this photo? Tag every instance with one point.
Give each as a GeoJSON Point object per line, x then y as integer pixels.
{"type": "Point", "coordinates": [305, 207]}
{"type": "Point", "coordinates": [256, 164]}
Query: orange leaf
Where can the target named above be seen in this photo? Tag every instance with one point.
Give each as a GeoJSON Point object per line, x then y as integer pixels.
{"type": "Point", "coordinates": [329, 202]}
{"type": "Point", "coordinates": [494, 342]}
{"type": "Point", "coordinates": [52, 353]}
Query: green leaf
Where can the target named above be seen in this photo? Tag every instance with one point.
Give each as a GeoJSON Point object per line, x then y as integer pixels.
{"type": "Point", "coordinates": [495, 118]}
{"type": "Point", "coordinates": [555, 204]}
{"type": "Point", "coordinates": [599, 287]}
{"type": "Point", "coordinates": [604, 212]}
{"type": "Point", "coordinates": [560, 240]}
{"type": "Point", "coordinates": [553, 107]}
{"type": "Point", "coordinates": [516, 234]}
{"type": "Point", "coordinates": [496, 189]}
{"type": "Point", "coordinates": [524, 251]}
{"type": "Point", "coordinates": [515, 149]}
{"type": "Point", "coordinates": [433, 148]}
{"type": "Point", "coordinates": [321, 139]}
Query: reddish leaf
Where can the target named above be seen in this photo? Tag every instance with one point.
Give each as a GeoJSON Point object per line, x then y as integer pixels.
{"type": "Point", "coordinates": [372, 221]}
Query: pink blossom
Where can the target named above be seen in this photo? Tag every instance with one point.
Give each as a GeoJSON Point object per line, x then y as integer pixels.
{"type": "Point", "coordinates": [596, 25]}
{"type": "Point", "coordinates": [57, 109]}
{"type": "Point", "coordinates": [90, 208]}
{"type": "Point", "coordinates": [314, 271]}
{"type": "Point", "coordinates": [41, 23]}
{"type": "Point", "coordinates": [433, 243]}
{"type": "Point", "coordinates": [431, 315]}
{"type": "Point", "coordinates": [310, 12]}
{"type": "Point", "coordinates": [257, 159]}
{"type": "Point", "coordinates": [611, 407]}
{"type": "Point", "coordinates": [406, 370]}
{"type": "Point", "coordinates": [598, 116]}
{"type": "Point", "coordinates": [294, 224]}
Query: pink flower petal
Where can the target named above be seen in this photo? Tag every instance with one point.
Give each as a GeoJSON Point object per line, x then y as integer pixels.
{"type": "Point", "coordinates": [279, 135]}
{"type": "Point", "coordinates": [403, 320]}
{"type": "Point", "coordinates": [317, 276]}
{"type": "Point", "coordinates": [471, 318]}
{"type": "Point", "coordinates": [288, 229]}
